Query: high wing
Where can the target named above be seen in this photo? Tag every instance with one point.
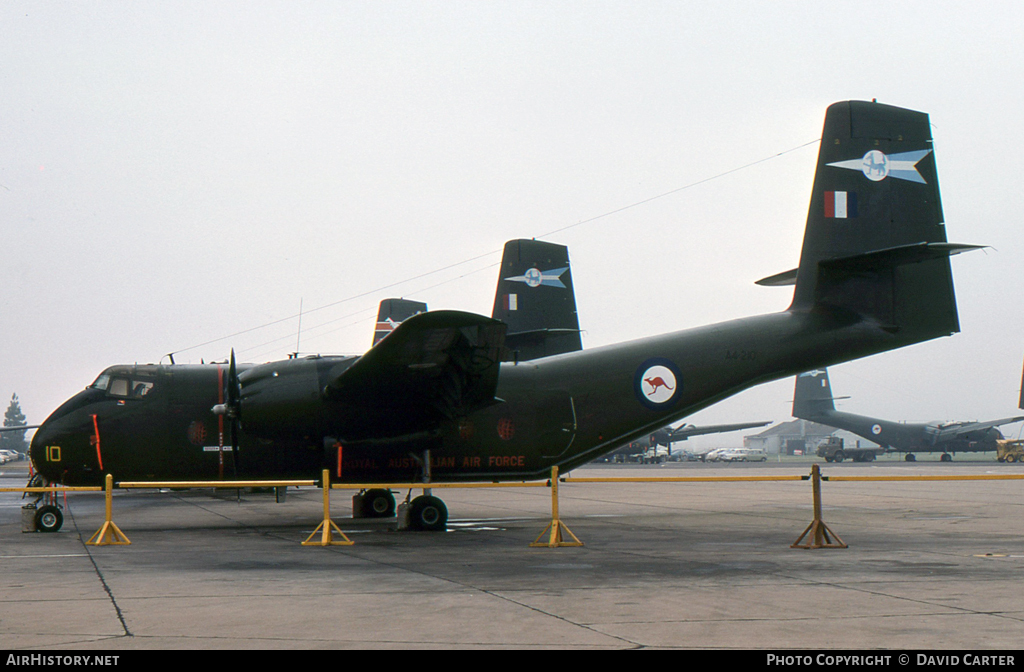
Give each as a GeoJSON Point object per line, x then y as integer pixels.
{"type": "Point", "coordinates": [20, 428]}
{"type": "Point", "coordinates": [434, 366]}
{"type": "Point", "coordinates": [944, 433]}
{"type": "Point", "coordinates": [686, 431]}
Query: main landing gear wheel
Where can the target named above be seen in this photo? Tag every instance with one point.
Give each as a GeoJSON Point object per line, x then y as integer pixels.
{"type": "Point", "coordinates": [910, 457]}
{"type": "Point", "coordinates": [378, 503]}
{"type": "Point", "coordinates": [49, 518]}
{"type": "Point", "coordinates": [428, 513]}
{"type": "Point", "coordinates": [946, 457]}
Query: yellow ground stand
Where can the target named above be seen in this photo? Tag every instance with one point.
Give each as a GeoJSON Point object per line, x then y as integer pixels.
{"type": "Point", "coordinates": [324, 529]}
{"type": "Point", "coordinates": [110, 534]}
{"type": "Point", "coordinates": [817, 533]}
{"type": "Point", "coordinates": [556, 526]}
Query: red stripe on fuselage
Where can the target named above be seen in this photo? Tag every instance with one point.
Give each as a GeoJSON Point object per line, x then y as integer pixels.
{"type": "Point", "coordinates": [96, 428]}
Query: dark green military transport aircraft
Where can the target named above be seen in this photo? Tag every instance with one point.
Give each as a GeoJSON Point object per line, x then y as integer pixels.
{"type": "Point", "coordinates": [813, 400]}
{"type": "Point", "coordinates": [441, 399]}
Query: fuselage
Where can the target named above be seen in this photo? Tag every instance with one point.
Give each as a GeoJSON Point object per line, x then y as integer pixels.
{"type": "Point", "coordinates": [157, 422]}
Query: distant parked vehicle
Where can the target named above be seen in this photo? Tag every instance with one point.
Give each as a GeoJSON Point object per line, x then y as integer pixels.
{"type": "Point", "coordinates": [713, 455]}
{"type": "Point", "coordinates": [1010, 451]}
{"type": "Point", "coordinates": [744, 455]}
{"type": "Point", "coordinates": [834, 450]}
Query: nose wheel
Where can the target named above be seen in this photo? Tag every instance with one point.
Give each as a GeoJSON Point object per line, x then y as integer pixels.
{"type": "Point", "coordinates": [49, 518]}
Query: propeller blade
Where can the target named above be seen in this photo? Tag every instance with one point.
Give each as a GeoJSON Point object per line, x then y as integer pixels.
{"type": "Point", "coordinates": [234, 406]}
{"type": "Point", "coordinates": [233, 389]}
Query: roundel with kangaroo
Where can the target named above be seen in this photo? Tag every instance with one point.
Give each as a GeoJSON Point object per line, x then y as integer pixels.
{"type": "Point", "coordinates": [656, 382]}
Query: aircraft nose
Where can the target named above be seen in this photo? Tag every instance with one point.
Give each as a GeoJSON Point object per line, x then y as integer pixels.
{"type": "Point", "coordinates": [48, 452]}
{"type": "Point", "coordinates": [37, 447]}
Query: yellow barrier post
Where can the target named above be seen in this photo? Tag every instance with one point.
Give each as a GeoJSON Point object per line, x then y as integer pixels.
{"type": "Point", "coordinates": [818, 530]}
{"type": "Point", "coordinates": [327, 525]}
{"type": "Point", "coordinates": [556, 526]}
{"type": "Point", "coordinates": [109, 534]}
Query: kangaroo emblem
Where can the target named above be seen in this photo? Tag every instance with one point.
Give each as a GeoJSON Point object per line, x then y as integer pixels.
{"type": "Point", "coordinates": [657, 382]}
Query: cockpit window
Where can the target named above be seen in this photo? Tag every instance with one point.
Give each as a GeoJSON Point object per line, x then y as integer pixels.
{"type": "Point", "coordinates": [135, 389]}
{"type": "Point", "coordinates": [102, 382]}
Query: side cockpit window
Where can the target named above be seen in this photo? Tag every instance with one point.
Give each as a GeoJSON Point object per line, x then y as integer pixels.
{"type": "Point", "coordinates": [129, 388]}
{"type": "Point", "coordinates": [101, 383]}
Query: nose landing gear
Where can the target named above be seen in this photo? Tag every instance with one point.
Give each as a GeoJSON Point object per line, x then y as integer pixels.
{"type": "Point", "coordinates": [38, 517]}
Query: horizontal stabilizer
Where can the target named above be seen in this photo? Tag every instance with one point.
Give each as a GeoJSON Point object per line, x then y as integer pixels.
{"type": "Point", "coordinates": [896, 256]}
{"type": "Point", "coordinates": [784, 279]}
{"type": "Point", "coordinates": [830, 398]}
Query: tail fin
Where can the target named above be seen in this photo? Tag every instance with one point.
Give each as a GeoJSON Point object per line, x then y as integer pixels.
{"type": "Point", "coordinates": [535, 299]}
{"type": "Point", "coordinates": [392, 313]}
{"type": "Point", "coordinates": [875, 244]}
{"type": "Point", "coordinates": [812, 397]}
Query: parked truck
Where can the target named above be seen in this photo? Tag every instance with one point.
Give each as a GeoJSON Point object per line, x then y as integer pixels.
{"type": "Point", "coordinates": [1010, 451]}
{"type": "Point", "coordinates": [834, 450]}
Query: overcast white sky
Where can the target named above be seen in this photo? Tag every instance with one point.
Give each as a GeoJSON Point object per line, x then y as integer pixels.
{"type": "Point", "coordinates": [175, 172]}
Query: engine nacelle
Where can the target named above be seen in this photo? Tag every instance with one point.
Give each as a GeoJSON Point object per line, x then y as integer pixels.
{"type": "Point", "coordinates": [284, 398]}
